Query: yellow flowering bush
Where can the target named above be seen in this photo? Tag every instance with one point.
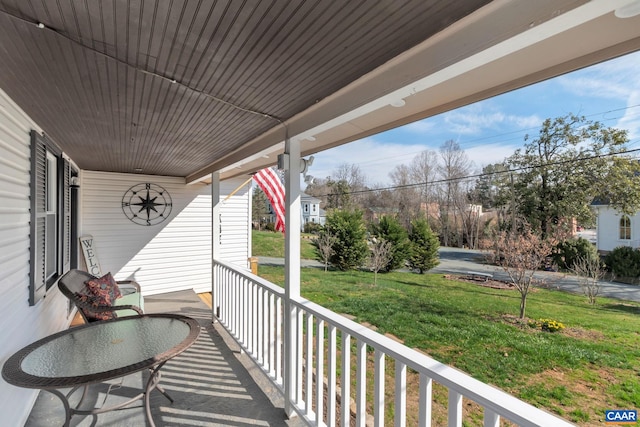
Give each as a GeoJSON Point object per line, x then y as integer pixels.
{"type": "Point", "coordinates": [548, 325]}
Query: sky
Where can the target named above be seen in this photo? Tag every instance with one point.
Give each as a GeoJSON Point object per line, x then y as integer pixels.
{"type": "Point", "coordinates": [493, 129]}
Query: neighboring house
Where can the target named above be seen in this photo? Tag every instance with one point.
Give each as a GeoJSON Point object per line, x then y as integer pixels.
{"type": "Point", "coordinates": [614, 228]}
{"type": "Point", "coordinates": [311, 211]}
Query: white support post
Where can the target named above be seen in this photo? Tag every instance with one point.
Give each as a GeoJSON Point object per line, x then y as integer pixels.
{"type": "Point", "coordinates": [216, 208]}
{"type": "Point", "coordinates": [292, 382]}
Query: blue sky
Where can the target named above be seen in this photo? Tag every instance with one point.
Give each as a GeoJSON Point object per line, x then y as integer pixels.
{"type": "Point", "coordinates": [491, 130]}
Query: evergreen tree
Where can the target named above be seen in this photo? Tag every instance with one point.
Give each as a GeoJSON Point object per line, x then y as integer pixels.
{"type": "Point", "coordinates": [390, 229]}
{"type": "Point", "coordinates": [350, 245]}
{"type": "Point", "coordinates": [424, 246]}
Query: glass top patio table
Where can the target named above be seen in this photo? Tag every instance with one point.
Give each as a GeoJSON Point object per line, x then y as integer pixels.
{"type": "Point", "coordinates": [100, 351]}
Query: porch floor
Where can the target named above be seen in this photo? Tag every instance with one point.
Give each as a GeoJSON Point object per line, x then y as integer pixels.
{"type": "Point", "coordinates": [212, 383]}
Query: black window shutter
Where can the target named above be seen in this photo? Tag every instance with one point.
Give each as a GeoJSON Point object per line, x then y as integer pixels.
{"type": "Point", "coordinates": [37, 286]}
{"type": "Point", "coordinates": [66, 216]}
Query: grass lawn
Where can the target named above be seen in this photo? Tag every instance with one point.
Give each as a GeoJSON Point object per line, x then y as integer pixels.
{"type": "Point", "coordinates": [271, 244]}
{"type": "Point", "coordinates": [577, 373]}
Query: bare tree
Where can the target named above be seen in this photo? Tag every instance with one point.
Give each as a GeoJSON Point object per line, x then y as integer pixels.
{"type": "Point", "coordinates": [406, 196]}
{"type": "Point", "coordinates": [423, 170]}
{"type": "Point", "coordinates": [454, 166]}
{"type": "Point", "coordinates": [520, 254]}
{"type": "Point", "coordinates": [355, 180]}
{"type": "Point", "coordinates": [324, 247]}
{"type": "Point", "coordinates": [590, 272]}
{"type": "Point", "coordinates": [379, 256]}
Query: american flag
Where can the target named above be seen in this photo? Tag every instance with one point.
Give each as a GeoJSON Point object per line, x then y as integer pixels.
{"type": "Point", "coordinates": [269, 181]}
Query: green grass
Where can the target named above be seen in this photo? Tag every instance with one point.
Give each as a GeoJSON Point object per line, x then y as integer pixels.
{"type": "Point", "coordinates": [578, 372]}
{"type": "Point", "coordinates": [271, 244]}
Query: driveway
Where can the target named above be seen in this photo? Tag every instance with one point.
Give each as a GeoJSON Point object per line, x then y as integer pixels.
{"type": "Point", "coordinates": [461, 261]}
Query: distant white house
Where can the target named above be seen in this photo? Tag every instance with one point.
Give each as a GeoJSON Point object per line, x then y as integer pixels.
{"type": "Point", "coordinates": [614, 228]}
{"type": "Point", "coordinates": [310, 210]}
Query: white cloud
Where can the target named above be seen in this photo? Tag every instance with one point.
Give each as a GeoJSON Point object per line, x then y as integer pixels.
{"type": "Point", "coordinates": [420, 127]}
{"type": "Point", "coordinates": [481, 117]}
{"type": "Point", "coordinates": [613, 79]}
{"type": "Point", "coordinates": [374, 158]}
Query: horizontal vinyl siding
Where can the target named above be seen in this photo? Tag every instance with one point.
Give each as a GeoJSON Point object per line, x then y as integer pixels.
{"type": "Point", "coordinates": [170, 256]}
{"type": "Point", "coordinates": [20, 323]}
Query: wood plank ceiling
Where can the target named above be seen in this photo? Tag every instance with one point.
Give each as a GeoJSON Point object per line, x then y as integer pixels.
{"type": "Point", "coordinates": [168, 87]}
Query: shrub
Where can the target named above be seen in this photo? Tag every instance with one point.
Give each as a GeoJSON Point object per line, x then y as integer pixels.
{"type": "Point", "coordinates": [567, 252]}
{"type": "Point", "coordinates": [270, 226]}
{"type": "Point", "coordinates": [390, 230]}
{"type": "Point", "coordinates": [350, 245]}
{"type": "Point", "coordinates": [423, 247]}
{"type": "Point", "coordinates": [312, 228]}
{"type": "Point", "coordinates": [624, 261]}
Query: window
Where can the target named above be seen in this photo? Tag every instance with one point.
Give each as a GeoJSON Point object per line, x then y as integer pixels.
{"type": "Point", "coordinates": [306, 207]}
{"type": "Point", "coordinates": [50, 216]}
{"type": "Point", "coordinates": [313, 207]}
{"type": "Point", "coordinates": [625, 228]}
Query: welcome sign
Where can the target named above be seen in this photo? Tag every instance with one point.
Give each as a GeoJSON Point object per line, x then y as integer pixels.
{"type": "Point", "coordinates": [90, 255]}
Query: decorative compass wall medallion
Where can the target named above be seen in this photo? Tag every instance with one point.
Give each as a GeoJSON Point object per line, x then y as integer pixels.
{"type": "Point", "coordinates": [146, 204]}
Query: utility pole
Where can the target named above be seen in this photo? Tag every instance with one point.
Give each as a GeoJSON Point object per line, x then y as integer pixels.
{"type": "Point", "coordinates": [513, 205]}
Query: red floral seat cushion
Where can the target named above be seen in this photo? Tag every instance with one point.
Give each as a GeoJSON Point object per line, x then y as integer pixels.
{"type": "Point", "coordinates": [98, 292]}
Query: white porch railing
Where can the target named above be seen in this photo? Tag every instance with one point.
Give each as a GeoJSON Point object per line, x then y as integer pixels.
{"type": "Point", "coordinates": [252, 310]}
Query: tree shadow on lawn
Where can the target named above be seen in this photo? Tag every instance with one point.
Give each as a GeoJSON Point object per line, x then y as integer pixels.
{"type": "Point", "coordinates": [625, 308]}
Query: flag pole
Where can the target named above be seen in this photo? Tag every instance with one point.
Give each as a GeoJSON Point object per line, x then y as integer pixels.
{"type": "Point", "coordinates": [238, 189]}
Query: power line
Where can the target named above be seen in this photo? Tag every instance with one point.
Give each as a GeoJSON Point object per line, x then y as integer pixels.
{"type": "Point", "coordinates": [514, 133]}
{"type": "Point", "coordinates": [480, 175]}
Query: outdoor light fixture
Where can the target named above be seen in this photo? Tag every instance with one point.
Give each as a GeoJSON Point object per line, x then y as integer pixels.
{"type": "Point", "coordinates": [304, 165]}
{"type": "Point", "coordinates": [398, 103]}
{"type": "Point", "coordinates": [629, 11]}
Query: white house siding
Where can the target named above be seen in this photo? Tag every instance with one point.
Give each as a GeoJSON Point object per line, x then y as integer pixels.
{"type": "Point", "coordinates": [608, 229]}
{"type": "Point", "coordinates": [21, 324]}
{"type": "Point", "coordinates": [175, 254]}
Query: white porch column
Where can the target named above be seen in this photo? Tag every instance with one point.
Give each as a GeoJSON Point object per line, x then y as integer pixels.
{"type": "Point", "coordinates": [291, 270]}
{"type": "Point", "coordinates": [216, 205]}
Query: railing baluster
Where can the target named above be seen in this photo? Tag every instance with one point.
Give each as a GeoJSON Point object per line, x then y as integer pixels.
{"type": "Point", "coordinates": [455, 409]}
{"type": "Point", "coordinates": [298, 361]}
{"type": "Point", "coordinates": [245, 310]}
{"type": "Point", "coordinates": [345, 383]}
{"type": "Point", "coordinates": [252, 312]}
{"type": "Point", "coordinates": [259, 326]}
{"type": "Point", "coordinates": [319, 371]}
{"type": "Point", "coordinates": [272, 334]}
{"type": "Point", "coordinates": [308, 390]}
{"type": "Point", "coordinates": [265, 330]}
{"type": "Point", "coordinates": [278, 343]}
{"type": "Point", "coordinates": [331, 377]}
{"type": "Point", "coordinates": [491, 419]}
{"type": "Point", "coordinates": [361, 384]}
{"type": "Point", "coordinates": [425, 401]}
{"type": "Point", "coordinates": [401, 395]}
{"type": "Point", "coordinates": [378, 390]}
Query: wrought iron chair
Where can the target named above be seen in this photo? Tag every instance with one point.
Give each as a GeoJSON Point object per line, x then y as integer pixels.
{"type": "Point", "coordinates": [73, 285]}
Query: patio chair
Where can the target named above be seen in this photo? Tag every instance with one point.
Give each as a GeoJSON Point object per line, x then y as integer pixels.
{"type": "Point", "coordinates": [75, 285]}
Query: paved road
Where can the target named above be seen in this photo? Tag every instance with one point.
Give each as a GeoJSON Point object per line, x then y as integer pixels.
{"type": "Point", "coordinates": [461, 261]}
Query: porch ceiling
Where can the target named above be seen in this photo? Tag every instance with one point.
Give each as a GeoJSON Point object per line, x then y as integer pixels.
{"type": "Point", "coordinates": [187, 87]}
